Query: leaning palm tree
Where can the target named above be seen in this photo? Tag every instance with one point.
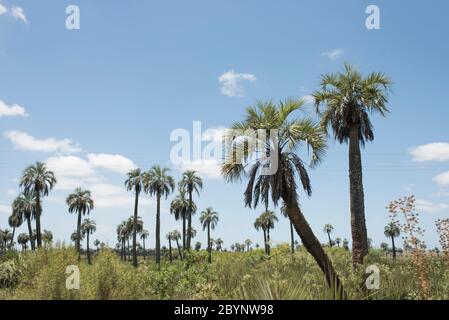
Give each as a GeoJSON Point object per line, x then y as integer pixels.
{"type": "Point", "coordinates": [348, 98]}
{"type": "Point", "coordinates": [144, 234]}
{"type": "Point", "coordinates": [23, 239]}
{"type": "Point", "coordinates": [25, 206]}
{"type": "Point", "coordinates": [180, 207]}
{"type": "Point", "coordinates": [176, 235]}
{"type": "Point", "coordinates": [134, 183]}
{"type": "Point", "coordinates": [15, 220]}
{"type": "Point", "coordinates": [157, 182]}
{"type": "Point", "coordinates": [282, 141]}
{"type": "Point", "coordinates": [392, 231]}
{"type": "Point", "coordinates": [292, 235]}
{"type": "Point", "coordinates": [80, 202]}
{"type": "Point", "coordinates": [88, 227]}
{"type": "Point", "coordinates": [268, 219]}
{"type": "Point", "coordinates": [36, 179]}
{"type": "Point", "coordinates": [209, 219]}
{"type": "Point", "coordinates": [328, 229]}
{"type": "Point", "coordinates": [47, 238]}
{"type": "Point", "coordinates": [190, 182]}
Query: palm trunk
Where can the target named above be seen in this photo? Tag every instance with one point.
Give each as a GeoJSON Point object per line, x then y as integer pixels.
{"type": "Point", "coordinates": [358, 224]}
{"type": "Point", "coordinates": [136, 205]}
{"type": "Point", "coordinates": [189, 228]}
{"type": "Point", "coordinates": [313, 246]}
{"type": "Point", "coordinates": [169, 251]}
{"type": "Point", "coordinates": [330, 241]}
{"type": "Point", "coordinates": [179, 250]}
{"type": "Point", "coordinates": [184, 232]}
{"type": "Point", "coordinates": [265, 240]}
{"type": "Point", "coordinates": [208, 243]}
{"type": "Point", "coordinates": [38, 220]}
{"type": "Point", "coordinates": [292, 236]}
{"type": "Point", "coordinates": [124, 250]}
{"type": "Point", "coordinates": [12, 238]}
{"type": "Point", "coordinates": [144, 254]}
{"type": "Point", "coordinates": [88, 251]}
{"type": "Point", "coordinates": [268, 242]}
{"type": "Point", "coordinates": [394, 248]}
{"type": "Point", "coordinates": [30, 232]}
{"type": "Point", "coordinates": [158, 231]}
{"type": "Point", "coordinates": [128, 251]}
{"type": "Point", "coordinates": [78, 236]}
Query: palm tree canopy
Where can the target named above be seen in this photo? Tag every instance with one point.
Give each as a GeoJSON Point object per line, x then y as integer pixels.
{"type": "Point", "coordinates": [23, 238]}
{"type": "Point", "coordinates": [209, 217]}
{"type": "Point", "coordinates": [179, 207]}
{"type": "Point", "coordinates": [392, 230]}
{"type": "Point", "coordinates": [348, 98]}
{"type": "Point", "coordinates": [157, 181]}
{"type": "Point", "coordinates": [191, 182]}
{"type": "Point", "coordinates": [15, 220]}
{"type": "Point", "coordinates": [268, 219]}
{"type": "Point", "coordinates": [37, 179]}
{"type": "Point", "coordinates": [328, 228]}
{"type": "Point", "coordinates": [47, 236]}
{"type": "Point", "coordinates": [88, 226]}
{"type": "Point", "coordinates": [284, 139]}
{"type": "Point", "coordinates": [130, 224]}
{"type": "Point", "coordinates": [80, 201]}
{"type": "Point", "coordinates": [134, 180]}
{"type": "Point", "coordinates": [176, 235]}
{"type": "Point", "coordinates": [122, 231]}
{"type": "Point", "coordinates": [144, 234]}
{"type": "Point", "coordinates": [74, 236]}
{"type": "Point", "coordinates": [24, 205]}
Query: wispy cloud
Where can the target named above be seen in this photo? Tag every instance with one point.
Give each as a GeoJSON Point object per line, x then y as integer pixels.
{"type": "Point", "coordinates": [437, 151]}
{"type": "Point", "coordinates": [26, 142]}
{"type": "Point", "coordinates": [231, 83]}
{"type": "Point", "coordinates": [3, 9]}
{"type": "Point", "coordinates": [11, 110]}
{"type": "Point", "coordinates": [430, 207]}
{"type": "Point", "coordinates": [333, 54]}
{"type": "Point", "coordinates": [19, 14]}
{"type": "Point", "coordinates": [112, 162]}
{"type": "Point", "coordinates": [442, 179]}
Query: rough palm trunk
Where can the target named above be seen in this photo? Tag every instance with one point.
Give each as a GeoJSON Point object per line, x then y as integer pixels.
{"type": "Point", "coordinates": [265, 240]}
{"type": "Point", "coordinates": [144, 253]}
{"type": "Point", "coordinates": [38, 220]}
{"type": "Point", "coordinates": [209, 249]}
{"type": "Point", "coordinates": [12, 238]}
{"type": "Point", "coordinates": [169, 251]}
{"type": "Point", "coordinates": [313, 246]}
{"type": "Point", "coordinates": [292, 238]}
{"type": "Point", "coordinates": [179, 249]}
{"type": "Point", "coordinates": [30, 232]}
{"type": "Point", "coordinates": [128, 251]}
{"type": "Point", "coordinates": [78, 236]}
{"type": "Point", "coordinates": [136, 204]}
{"type": "Point", "coordinates": [394, 248]}
{"type": "Point", "coordinates": [158, 231]}
{"type": "Point", "coordinates": [189, 227]}
{"type": "Point", "coordinates": [88, 250]}
{"type": "Point", "coordinates": [330, 240]}
{"type": "Point", "coordinates": [268, 242]}
{"type": "Point", "coordinates": [358, 224]}
{"type": "Point", "coordinates": [184, 232]}
{"type": "Point", "coordinates": [124, 250]}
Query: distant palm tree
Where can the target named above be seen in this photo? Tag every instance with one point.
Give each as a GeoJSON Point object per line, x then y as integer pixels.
{"type": "Point", "coordinates": [283, 139]}
{"type": "Point", "coordinates": [392, 231]}
{"type": "Point", "coordinates": [80, 202]}
{"type": "Point", "coordinates": [122, 235]}
{"type": "Point", "coordinates": [209, 219]}
{"type": "Point", "coordinates": [180, 207]}
{"type": "Point", "coordinates": [169, 237]}
{"type": "Point", "coordinates": [338, 241]}
{"type": "Point", "coordinates": [96, 244]}
{"type": "Point", "coordinates": [144, 234]}
{"type": "Point", "coordinates": [15, 220]}
{"type": "Point", "coordinates": [190, 182]}
{"type": "Point", "coordinates": [176, 235]}
{"type": "Point", "coordinates": [23, 239]}
{"type": "Point", "coordinates": [157, 182]}
{"type": "Point", "coordinates": [197, 246]}
{"type": "Point", "coordinates": [37, 180]}
{"type": "Point", "coordinates": [219, 244]}
{"type": "Point", "coordinates": [292, 235]}
{"type": "Point", "coordinates": [74, 237]}
{"type": "Point", "coordinates": [88, 227]}
{"type": "Point", "coordinates": [47, 238]}
{"type": "Point", "coordinates": [259, 224]}
{"type": "Point", "coordinates": [5, 237]}
{"type": "Point", "coordinates": [248, 244]}
{"type": "Point", "coordinates": [346, 244]}
{"type": "Point", "coordinates": [348, 98]}
{"type": "Point", "coordinates": [25, 206]}
{"type": "Point", "coordinates": [328, 229]}
{"type": "Point", "coordinates": [134, 183]}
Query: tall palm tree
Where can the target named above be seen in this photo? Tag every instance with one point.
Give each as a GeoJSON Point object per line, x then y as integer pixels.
{"type": "Point", "coordinates": [134, 183]}
{"type": "Point", "coordinates": [348, 98]}
{"type": "Point", "coordinates": [219, 244]}
{"type": "Point", "coordinates": [190, 182]}
{"type": "Point", "coordinates": [88, 227]}
{"type": "Point", "coordinates": [259, 224]}
{"type": "Point", "coordinates": [285, 137]}
{"type": "Point", "coordinates": [328, 229]}
{"type": "Point", "coordinates": [157, 182]}
{"type": "Point", "coordinates": [180, 207]}
{"type": "Point", "coordinates": [169, 237]}
{"type": "Point", "coordinates": [80, 202]}
{"type": "Point", "coordinates": [176, 235]}
{"type": "Point", "coordinates": [122, 235]}
{"type": "Point", "coordinates": [144, 234]}
{"type": "Point", "coordinates": [15, 220]}
{"type": "Point", "coordinates": [392, 231]}
{"type": "Point", "coordinates": [47, 238]}
{"type": "Point", "coordinates": [209, 219]}
{"type": "Point", "coordinates": [130, 227]}
{"type": "Point", "coordinates": [25, 206]}
{"type": "Point", "coordinates": [248, 244]}
{"type": "Point", "coordinates": [36, 179]}
{"type": "Point", "coordinates": [23, 239]}
{"type": "Point", "coordinates": [268, 219]}
{"type": "Point", "coordinates": [292, 235]}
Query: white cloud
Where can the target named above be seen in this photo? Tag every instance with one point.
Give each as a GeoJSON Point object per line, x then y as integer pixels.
{"type": "Point", "coordinates": [442, 179]}
{"type": "Point", "coordinates": [5, 209]}
{"type": "Point", "coordinates": [11, 110]}
{"type": "Point", "coordinates": [231, 83]}
{"type": "Point", "coordinates": [107, 195]}
{"type": "Point", "coordinates": [427, 206]}
{"type": "Point", "coordinates": [207, 167]}
{"type": "Point", "coordinates": [70, 166]}
{"type": "Point", "coordinates": [111, 162]}
{"type": "Point", "coordinates": [437, 151]}
{"type": "Point", "coordinates": [333, 54]}
{"type": "Point", "coordinates": [24, 141]}
{"type": "Point", "coordinates": [19, 14]}
{"type": "Point", "coordinates": [3, 9]}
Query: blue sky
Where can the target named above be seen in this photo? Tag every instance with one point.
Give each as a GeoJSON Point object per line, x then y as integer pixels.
{"type": "Point", "coordinates": [97, 101]}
